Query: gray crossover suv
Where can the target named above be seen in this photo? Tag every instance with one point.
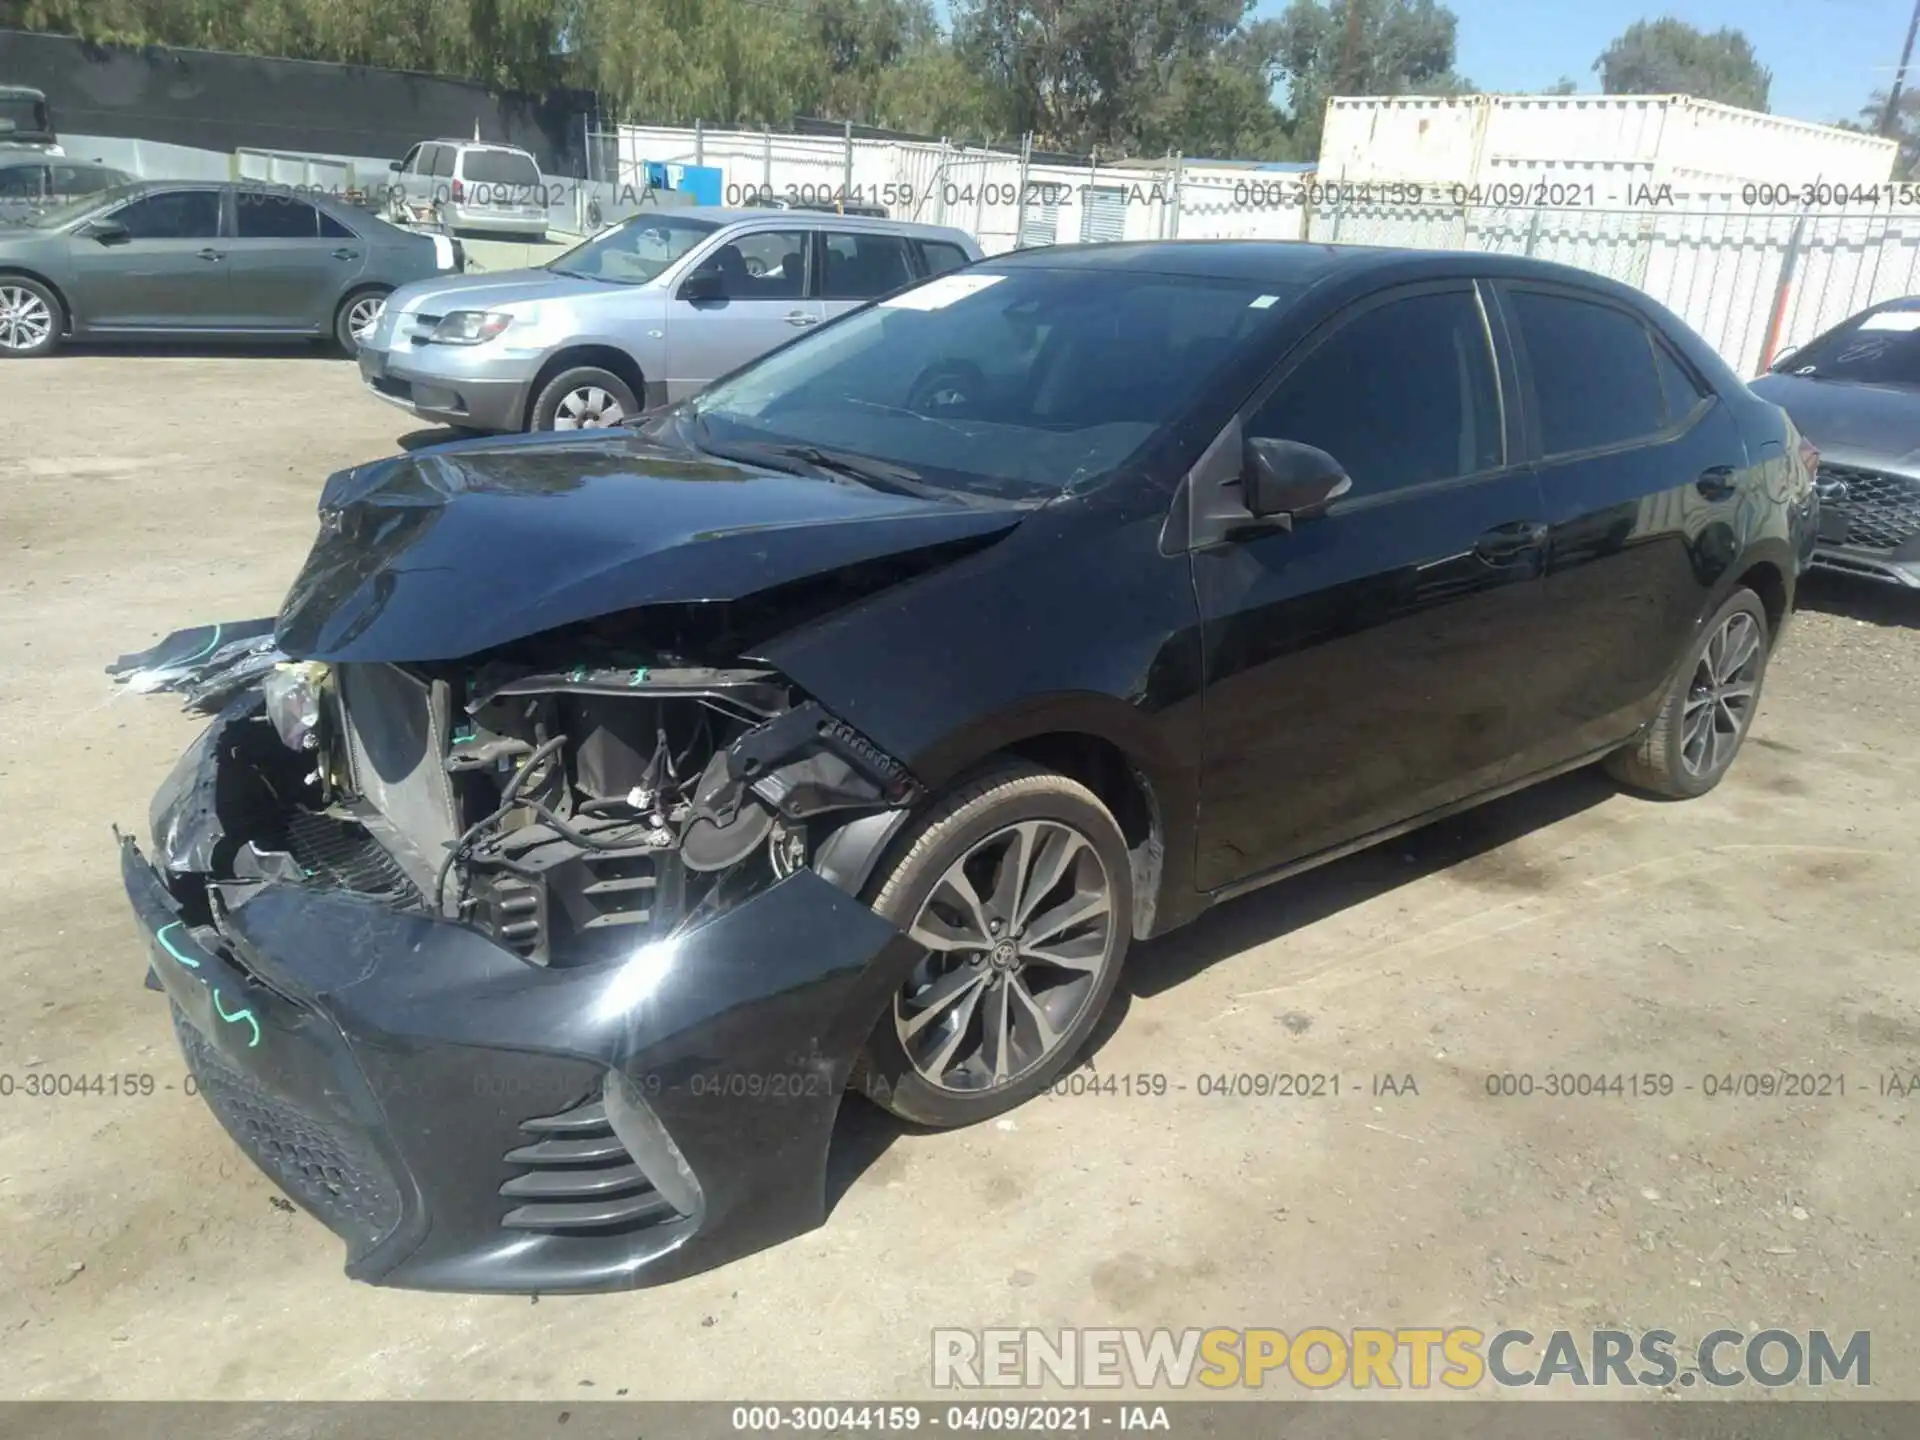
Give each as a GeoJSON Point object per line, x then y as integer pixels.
{"type": "Point", "coordinates": [640, 315]}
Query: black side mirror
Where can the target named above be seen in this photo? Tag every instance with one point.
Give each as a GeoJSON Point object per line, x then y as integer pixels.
{"type": "Point", "coordinates": [394, 165]}
{"type": "Point", "coordinates": [109, 232]}
{"type": "Point", "coordinates": [1285, 479]}
{"type": "Point", "coordinates": [704, 285]}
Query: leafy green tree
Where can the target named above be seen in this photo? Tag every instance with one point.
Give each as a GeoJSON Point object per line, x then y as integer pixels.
{"type": "Point", "coordinates": [1906, 128]}
{"type": "Point", "coordinates": [1362, 47]}
{"type": "Point", "coordinates": [1671, 57]}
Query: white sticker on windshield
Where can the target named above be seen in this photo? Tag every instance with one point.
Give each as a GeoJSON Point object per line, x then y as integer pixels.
{"type": "Point", "coordinates": [1892, 320]}
{"type": "Point", "coordinates": [1263, 303]}
{"type": "Point", "coordinates": [940, 293]}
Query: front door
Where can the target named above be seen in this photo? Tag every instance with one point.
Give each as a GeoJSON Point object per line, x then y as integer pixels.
{"type": "Point", "coordinates": [169, 273]}
{"type": "Point", "coordinates": [1363, 668]}
{"type": "Point", "coordinates": [765, 300]}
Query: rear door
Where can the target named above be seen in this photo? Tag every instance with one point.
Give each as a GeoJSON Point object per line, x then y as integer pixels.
{"type": "Point", "coordinates": [856, 266]}
{"type": "Point", "coordinates": [1638, 465]}
{"type": "Point", "coordinates": [765, 300]}
{"type": "Point", "coordinates": [287, 274]}
{"type": "Point", "coordinates": [171, 272]}
{"type": "Point", "coordinates": [1362, 668]}
{"type": "Point", "coordinates": [505, 183]}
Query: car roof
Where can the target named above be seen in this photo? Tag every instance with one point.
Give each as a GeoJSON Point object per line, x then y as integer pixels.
{"type": "Point", "coordinates": [1296, 262]}
{"type": "Point", "coordinates": [478, 145]}
{"type": "Point", "coordinates": [819, 219]}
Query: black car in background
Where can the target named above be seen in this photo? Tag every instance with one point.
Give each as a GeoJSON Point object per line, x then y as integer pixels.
{"type": "Point", "coordinates": [32, 183]}
{"type": "Point", "coordinates": [598, 809]}
{"type": "Point", "coordinates": [171, 259]}
{"type": "Point", "coordinates": [1855, 393]}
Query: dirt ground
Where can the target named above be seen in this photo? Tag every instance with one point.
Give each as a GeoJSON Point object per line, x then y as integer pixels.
{"type": "Point", "coordinates": [1768, 926]}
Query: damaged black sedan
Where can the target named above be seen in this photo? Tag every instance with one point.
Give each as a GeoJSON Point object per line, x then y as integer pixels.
{"type": "Point", "coordinates": [597, 812]}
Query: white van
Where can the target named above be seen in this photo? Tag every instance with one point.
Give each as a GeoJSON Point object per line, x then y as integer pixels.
{"type": "Point", "coordinates": [466, 185]}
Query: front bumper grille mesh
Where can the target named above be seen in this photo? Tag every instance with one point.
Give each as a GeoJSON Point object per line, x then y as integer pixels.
{"type": "Point", "coordinates": [576, 1177]}
{"type": "Point", "coordinates": [342, 855]}
{"type": "Point", "coordinates": [1882, 511]}
{"type": "Point", "coordinates": [333, 1173]}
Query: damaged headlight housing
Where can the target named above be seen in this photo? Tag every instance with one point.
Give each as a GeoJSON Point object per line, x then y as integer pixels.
{"type": "Point", "coordinates": [292, 692]}
{"type": "Point", "coordinates": [470, 327]}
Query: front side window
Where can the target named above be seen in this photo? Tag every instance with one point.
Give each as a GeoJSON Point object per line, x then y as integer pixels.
{"type": "Point", "coordinates": [21, 182]}
{"type": "Point", "coordinates": [443, 158]}
{"type": "Point", "coordinates": [1881, 347]}
{"type": "Point", "coordinates": [761, 265]}
{"type": "Point", "coordinates": [1594, 382]}
{"type": "Point", "coordinates": [173, 215]}
{"type": "Point", "coordinates": [1018, 383]}
{"type": "Point", "coordinates": [1400, 395]}
{"type": "Point", "coordinates": [859, 267]}
{"type": "Point", "coordinates": [635, 251]}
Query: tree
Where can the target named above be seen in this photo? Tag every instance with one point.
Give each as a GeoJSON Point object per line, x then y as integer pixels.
{"type": "Point", "coordinates": [1361, 47]}
{"type": "Point", "coordinates": [1906, 128]}
{"type": "Point", "coordinates": [1671, 57]}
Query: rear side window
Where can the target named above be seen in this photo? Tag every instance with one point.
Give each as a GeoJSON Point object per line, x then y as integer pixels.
{"type": "Point", "coordinates": [1594, 382]}
{"type": "Point", "coordinates": [859, 266]}
{"type": "Point", "coordinates": [939, 257]}
{"type": "Point", "coordinates": [1400, 395]}
{"type": "Point", "coordinates": [498, 167]}
{"type": "Point", "coordinates": [274, 217]}
{"type": "Point", "coordinates": [1681, 390]}
{"type": "Point", "coordinates": [443, 156]}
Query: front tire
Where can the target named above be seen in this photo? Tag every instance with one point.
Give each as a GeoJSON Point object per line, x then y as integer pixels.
{"type": "Point", "coordinates": [1020, 887]}
{"type": "Point", "coordinates": [31, 318]}
{"type": "Point", "coordinates": [1708, 710]}
{"type": "Point", "coordinates": [583, 398]}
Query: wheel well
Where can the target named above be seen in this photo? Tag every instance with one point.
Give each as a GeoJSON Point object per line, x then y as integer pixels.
{"type": "Point", "coordinates": [66, 310]}
{"type": "Point", "coordinates": [1104, 768]}
{"type": "Point", "coordinates": [604, 356]}
{"type": "Point", "coordinates": [1766, 581]}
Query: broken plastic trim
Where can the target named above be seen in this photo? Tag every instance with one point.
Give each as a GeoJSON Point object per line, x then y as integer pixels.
{"type": "Point", "coordinates": [206, 664]}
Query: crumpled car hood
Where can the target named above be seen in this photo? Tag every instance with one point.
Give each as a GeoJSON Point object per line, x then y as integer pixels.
{"type": "Point", "coordinates": [457, 549]}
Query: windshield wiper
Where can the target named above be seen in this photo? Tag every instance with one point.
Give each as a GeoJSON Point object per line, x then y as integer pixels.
{"type": "Point", "coordinates": [836, 464]}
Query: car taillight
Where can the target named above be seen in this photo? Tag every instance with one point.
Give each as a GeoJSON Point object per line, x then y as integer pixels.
{"type": "Point", "coordinates": [459, 192]}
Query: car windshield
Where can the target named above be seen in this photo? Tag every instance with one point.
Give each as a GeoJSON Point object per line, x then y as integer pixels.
{"type": "Point", "coordinates": [54, 216]}
{"type": "Point", "coordinates": [635, 251]}
{"type": "Point", "coordinates": [22, 114]}
{"type": "Point", "coordinates": [1018, 383]}
{"type": "Point", "coordinates": [1879, 348]}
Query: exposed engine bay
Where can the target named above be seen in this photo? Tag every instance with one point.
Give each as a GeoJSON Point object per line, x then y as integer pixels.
{"type": "Point", "coordinates": [570, 811]}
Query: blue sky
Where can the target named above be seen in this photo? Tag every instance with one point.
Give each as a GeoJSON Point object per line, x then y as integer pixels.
{"type": "Point", "coordinates": [1825, 54]}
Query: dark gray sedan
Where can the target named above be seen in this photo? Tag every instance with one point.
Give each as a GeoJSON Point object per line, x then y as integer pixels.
{"type": "Point", "coordinates": [173, 259]}
{"type": "Point", "coordinates": [1855, 393]}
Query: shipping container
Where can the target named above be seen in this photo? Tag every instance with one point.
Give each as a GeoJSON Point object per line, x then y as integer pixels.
{"type": "Point", "coordinates": [1694, 148]}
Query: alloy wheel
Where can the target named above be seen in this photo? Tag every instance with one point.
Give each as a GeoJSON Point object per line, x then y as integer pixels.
{"type": "Point", "coordinates": [25, 319]}
{"type": "Point", "coordinates": [588, 408]}
{"type": "Point", "coordinates": [1018, 933]}
{"type": "Point", "coordinates": [364, 314]}
{"type": "Point", "coordinates": [1719, 703]}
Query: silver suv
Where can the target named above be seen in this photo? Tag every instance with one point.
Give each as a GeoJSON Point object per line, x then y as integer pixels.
{"type": "Point", "coordinates": [465, 185]}
{"type": "Point", "coordinates": [638, 316]}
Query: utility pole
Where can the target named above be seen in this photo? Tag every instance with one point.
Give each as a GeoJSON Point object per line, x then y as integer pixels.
{"type": "Point", "coordinates": [1891, 115]}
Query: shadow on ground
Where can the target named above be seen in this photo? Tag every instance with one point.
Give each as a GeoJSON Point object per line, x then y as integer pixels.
{"type": "Point", "coordinates": [1878, 602]}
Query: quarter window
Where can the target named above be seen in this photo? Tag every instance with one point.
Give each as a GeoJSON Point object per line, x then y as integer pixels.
{"type": "Point", "coordinates": [859, 267]}
{"type": "Point", "coordinates": [1400, 395]}
{"type": "Point", "coordinates": [940, 257]}
{"type": "Point", "coordinates": [1681, 390]}
{"type": "Point", "coordinates": [443, 158]}
{"type": "Point", "coordinates": [1594, 382]}
{"type": "Point", "coordinates": [173, 215]}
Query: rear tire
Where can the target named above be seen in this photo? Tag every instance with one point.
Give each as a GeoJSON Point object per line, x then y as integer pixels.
{"type": "Point", "coordinates": [1709, 707]}
{"type": "Point", "coordinates": [583, 398]}
{"type": "Point", "coordinates": [978, 1028]}
{"type": "Point", "coordinates": [31, 318]}
{"type": "Point", "coordinates": [356, 308]}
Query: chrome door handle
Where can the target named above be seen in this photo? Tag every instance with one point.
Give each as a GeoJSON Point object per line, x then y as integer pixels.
{"type": "Point", "coordinates": [800, 317]}
{"type": "Point", "coordinates": [1506, 543]}
{"type": "Point", "coordinates": [345, 254]}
